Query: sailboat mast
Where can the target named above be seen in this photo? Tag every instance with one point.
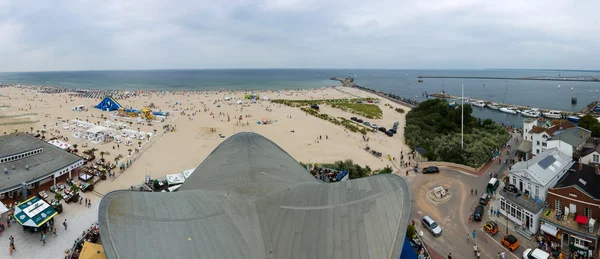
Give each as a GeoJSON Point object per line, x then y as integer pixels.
{"type": "Point", "coordinates": [505, 90]}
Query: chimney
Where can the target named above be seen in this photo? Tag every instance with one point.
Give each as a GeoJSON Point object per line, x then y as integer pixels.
{"type": "Point", "coordinates": [597, 170]}
{"type": "Point", "coordinates": [580, 166]}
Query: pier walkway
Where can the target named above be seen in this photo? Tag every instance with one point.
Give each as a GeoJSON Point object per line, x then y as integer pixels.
{"type": "Point", "coordinates": [564, 79]}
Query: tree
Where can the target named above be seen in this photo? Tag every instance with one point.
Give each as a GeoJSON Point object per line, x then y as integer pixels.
{"type": "Point", "coordinates": [102, 154]}
{"type": "Point", "coordinates": [43, 132]}
{"type": "Point", "coordinates": [129, 151]}
{"type": "Point", "coordinates": [139, 144]}
{"type": "Point", "coordinates": [44, 126]}
{"type": "Point", "coordinates": [386, 170]}
{"type": "Point", "coordinates": [590, 123]}
{"type": "Point", "coordinates": [16, 131]}
{"type": "Point", "coordinates": [31, 129]}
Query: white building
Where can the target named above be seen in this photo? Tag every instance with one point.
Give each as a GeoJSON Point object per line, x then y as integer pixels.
{"type": "Point", "coordinates": [532, 179]}
{"type": "Point", "coordinates": [541, 135]}
{"type": "Point", "coordinates": [569, 141]}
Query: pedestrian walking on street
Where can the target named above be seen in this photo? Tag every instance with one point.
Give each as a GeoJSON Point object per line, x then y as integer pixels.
{"type": "Point", "coordinates": [473, 235]}
{"type": "Point", "coordinates": [475, 249]}
{"type": "Point", "coordinates": [450, 256]}
{"type": "Point", "coordinates": [471, 191]}
{"type": "Point", "coordinates": [54, 231]}
{"type": "Point", "coordinates": [89, 204]}
{"type": "Point", "coordinates": [498, 256]}
{"type": "Point", "coordinates": [502, 255]}
{"type": "Point", "coordinates": [468, 237]}
{"type": "Point", "coordinates": [475, 191]}
{"type": "Point", "coordinates": [44, 239]}
{"type": "Point", "coordinates": [11, 240]}
{"type": "Point", "coordinates": [65, 224]}
{"type": "Point", "coordinates": [492, 211]}
{"type": "Point", "coordinates": [478, 255]}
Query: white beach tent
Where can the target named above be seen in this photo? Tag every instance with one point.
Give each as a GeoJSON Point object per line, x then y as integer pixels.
{"type": "Point", "coordinates": [227, 98]}
{"type": "Point", "coordinates": [240, 102]}
{"type": "Point", "coordinates": [188, 172]}
{"type": "Point", "coordinates": [59, 144]}
{"type": "Point", "coordinates": [175, 179]}
{"type": "Point", "coordinates": [174, 188]}
{"type": "Point", "coordinates": [264, 98]}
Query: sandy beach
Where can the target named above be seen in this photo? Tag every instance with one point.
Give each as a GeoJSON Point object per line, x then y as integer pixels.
{"type": "Point", "coordinates": [172, 152]}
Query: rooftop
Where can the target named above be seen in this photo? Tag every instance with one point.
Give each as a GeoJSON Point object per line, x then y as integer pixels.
{"type": "Point", "coordinates": [544, 167]}
{"type": "Point", "coordinates": [569, 222]}
{"type": "Point", "coordinates": [554, 126]}
{"type": "Point", "coordinates": [40, 165]}
{"type": "Point", "coordinates": [12, 144]}
{"type": "Point", "coordinates": [250, 199]}
{"type": "Point", "coordinates": [573, 136]}
{"type": "Point", "coordinates": [586, 180]}
{"type": "Point", "coordinates": [524, 202]}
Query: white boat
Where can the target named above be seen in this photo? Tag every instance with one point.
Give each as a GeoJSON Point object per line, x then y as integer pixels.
{"type": "Point", "coordinates": [553, 114]}
{"type": "Point", "coordinates": [534, 113]}
{"type": "Point", "coordinates": [493, 106]}
{"type": "Point", "coordinates": [510, 110]}
{"type": "Point", "coordinates": [478, 104]}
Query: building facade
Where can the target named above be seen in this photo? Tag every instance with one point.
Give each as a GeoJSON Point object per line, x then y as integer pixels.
{"type": "Point", "coordinates": [573, 210]}
{"type": "Point", "coordinates": [532, 179]}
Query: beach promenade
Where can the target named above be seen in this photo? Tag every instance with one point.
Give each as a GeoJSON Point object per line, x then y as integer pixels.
{"type": "Point", "coordinates": [193, 114]}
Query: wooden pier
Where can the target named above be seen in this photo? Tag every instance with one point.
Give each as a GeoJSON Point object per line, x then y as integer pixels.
{"type": "Point", "coordinates": [588, 109]}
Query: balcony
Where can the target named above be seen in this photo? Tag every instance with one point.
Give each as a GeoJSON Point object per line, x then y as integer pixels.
{"type": "Point", "coordinates": [549, 215]}
{"type": "Point", "coordinates": [522, 201]}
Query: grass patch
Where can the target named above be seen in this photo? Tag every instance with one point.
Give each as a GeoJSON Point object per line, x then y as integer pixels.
{"type": "Point", "coordinates": [348, 124]}
{"type": "Point", "coordinates": [399, 110]}
{"type": "Point", "coordinates": [355, 106]}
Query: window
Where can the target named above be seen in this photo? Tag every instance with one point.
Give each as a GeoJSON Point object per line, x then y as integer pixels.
{"type": "Point", "coordinates": [537, 151]}
{"type": "Point", "coordinates": [557, 204]}
{"type": "Point", "coordinates": [538, 143]}
{"type": "Point", "coordinates": [502, 204]}
{"type": "Point", "coordinates": [528, 186]}
{"type": "Point", "coordinates": [579, 242]}
{"type": "Point", "coordinates": [572, 194]}
{"type": "Point", "coordinates": [537, 191]}
{"type": "Point", "coordinates": [596, 158]}
{"type": "Point", "coordinates": [587, 212]}
{"type": "Point", "coordinates": [544, 144]}
{"type": "Point", "coordinates": [514, 181]}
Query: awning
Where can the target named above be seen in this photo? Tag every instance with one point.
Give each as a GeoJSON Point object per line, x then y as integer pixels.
{"type": "Point", "coordinates": [581, 219]}
{"type": "Point", "coordinates": [92, 251]}
{"type": "Point", "coordinates": [525, 146]}
{"type": "Point", "coordinates": [34, 212]}
{"type": "Point", "coordinates": [549, 229]}
{"type": "Point", "coordinates": [188, 172]}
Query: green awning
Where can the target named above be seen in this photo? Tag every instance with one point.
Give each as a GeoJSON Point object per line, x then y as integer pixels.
{"type": "Point", "coordinates": [34, 212]}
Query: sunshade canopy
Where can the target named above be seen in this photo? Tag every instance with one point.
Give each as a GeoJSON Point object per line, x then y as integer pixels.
{"type": "Point", "coordinates": [175, 179]}
{"type": "Point", "coordinates": [92, 251]}
{"type": "Point", "coordinates": [581, 219]}
{"type": "Point", "coordinates": [34, 212]}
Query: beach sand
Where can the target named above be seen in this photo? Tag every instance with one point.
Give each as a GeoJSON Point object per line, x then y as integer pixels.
{"type": "Point", "coordinates": [173, 152]}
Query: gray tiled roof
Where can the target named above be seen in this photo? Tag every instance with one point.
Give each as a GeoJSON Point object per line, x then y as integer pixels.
{"type": "Point", "coordinates": [573, 136]}
{"type": "Point", "coordinates": [250, 199]}
{"type": "Point", "coordinates": [40, 165]}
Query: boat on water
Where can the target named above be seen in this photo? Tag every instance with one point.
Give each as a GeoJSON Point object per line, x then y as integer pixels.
{"type": "Point", "coordinates": [573, 118]}
{"type": "Point", "coordinates": [553, 114]}
{"type": "Point", "coordinates": [420, 81]}
{"type": "Point", "coordinates": [478, 104]}
{"type": "Point", "coordinates": [510, 110]}
{"type": "Point", "coordinates": [534, 113]}
{"type": "Point", "coordinates": [493, 106]}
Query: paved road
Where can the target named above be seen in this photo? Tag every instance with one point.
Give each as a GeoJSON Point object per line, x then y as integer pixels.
{"type": "Point", "coordinates": [452, 215]}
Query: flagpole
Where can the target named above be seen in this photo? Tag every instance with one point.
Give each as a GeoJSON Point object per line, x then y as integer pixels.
{"type": "Point", "coordinates": [462, 117]}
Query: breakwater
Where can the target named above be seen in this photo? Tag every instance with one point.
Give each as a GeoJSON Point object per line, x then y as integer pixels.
{"type": "Point", "coordinates": [349, 82]}
{"type": "Point", "coordinates": [536, 78]}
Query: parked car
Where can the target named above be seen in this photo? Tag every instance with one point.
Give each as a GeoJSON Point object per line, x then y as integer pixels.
{"type": "Point", "coordinates": [393, 131]}
{"type": "Point", "coordinates": [366, 123]}
{"type": "Point", "coordinates": [432, 226]}
{"type": "Point", "coordinates": [491, 227]}
{"type": "Point", "coordinates": [353, 118]}
{"type": "Point", "coordinates": [359, 120]}
{"type": "Point", "coordinates": [374, 126]}
{"type": "Point", "coordinates": [431, 170]}
{"type": "Point", "coordinates": [315, 106]}
{"type": "Point", "coordinates": [535, 254]}
{"type": "Point", "coordinates": [389, 133]}
{"type": "Point", "coordinates": [485, 198]}
{"type": "Point", "coordinates": [510, 242]}
{"type": "Point", "coordinates": [382, 129]}
{"type": "Point", "coordinates": [478, 213]}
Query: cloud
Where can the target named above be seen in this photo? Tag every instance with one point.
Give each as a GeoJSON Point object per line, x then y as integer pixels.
{"type": "Point", "coordinates": [152, 34]}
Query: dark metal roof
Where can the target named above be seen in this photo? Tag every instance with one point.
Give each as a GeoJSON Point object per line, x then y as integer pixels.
{"type": "Point", "coordinates": [250, 199]}
{"type": "Point", "coordinates": [586, 180]}
{"type": "Point", "coordinates": [14, 143]}
{"type": "Point", "coordinates": [40, 165]}
{"type": "Point", "coordinates": [421, 150]}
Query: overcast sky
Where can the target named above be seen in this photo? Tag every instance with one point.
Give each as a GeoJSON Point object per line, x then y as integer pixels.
{"type": "Point", "coordinates": [123, 34]}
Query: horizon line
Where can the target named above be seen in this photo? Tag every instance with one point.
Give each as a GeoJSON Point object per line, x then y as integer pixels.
{"type": "Point", "coordinates": [199, 69]}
